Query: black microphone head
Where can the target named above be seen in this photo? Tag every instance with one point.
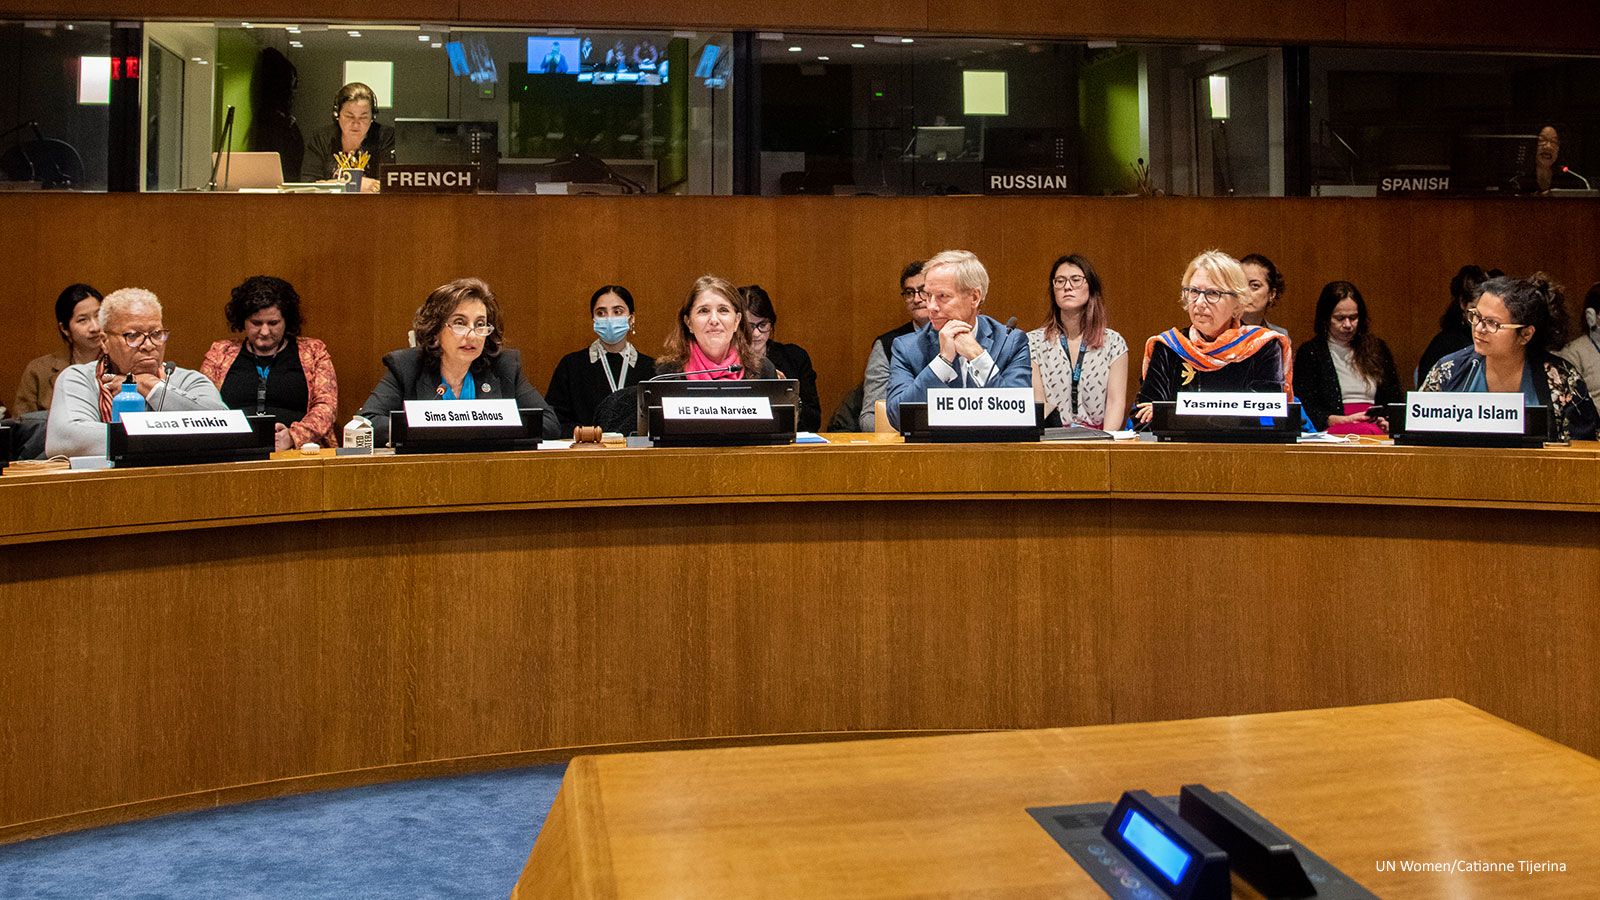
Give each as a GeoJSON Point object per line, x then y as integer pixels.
{"type": "Point", "coordinates": [735, 369]}
{"type": "Point", "coordinates": [168, 366]}
{"type": "Point", "coordinates": [1011, 324]}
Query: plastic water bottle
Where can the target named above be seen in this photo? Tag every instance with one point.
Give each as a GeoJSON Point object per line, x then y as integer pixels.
{"type": "Point", "coordinates": [126, 400]}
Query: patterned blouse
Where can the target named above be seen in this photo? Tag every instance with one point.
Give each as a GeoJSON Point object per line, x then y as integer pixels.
{"type": "Point", "coordinates": [1055, 371]}
{"type": "Point", "coordinates": [1572, 412]}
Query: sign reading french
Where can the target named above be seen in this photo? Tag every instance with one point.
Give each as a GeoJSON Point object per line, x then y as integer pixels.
{"type": "Point", "coordinates": [428, 179]}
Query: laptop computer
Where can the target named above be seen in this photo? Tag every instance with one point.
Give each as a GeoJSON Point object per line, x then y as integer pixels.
{"type": "Point", "coordinates": [250, 169]}
{"type": "Point", "coordinates": [1167, 425]}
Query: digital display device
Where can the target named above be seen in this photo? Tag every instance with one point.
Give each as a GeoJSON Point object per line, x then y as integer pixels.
{"type": "Point", "coordinates": [1159, 850]}
{"type": "Point", "coordinates": [472, 59]}
{"type": "Point", "coordinates": [458, 57]}
{"type": "Point", "coordinates": [553, 55]}
{"type": "Point", "coordinates": [620, 59]}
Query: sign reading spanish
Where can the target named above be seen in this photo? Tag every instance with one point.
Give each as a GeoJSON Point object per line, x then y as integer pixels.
{"type": "Point", "coordinates": [428, 179]}
{"type": "Point", "coordinates": [981, 407]}
{"type": "Point", "coordinates": [1457, 411]}
{"type": "Point", "coordinates": [461, 413]}
{"type": "Point", "coordinates": [1240, 405]}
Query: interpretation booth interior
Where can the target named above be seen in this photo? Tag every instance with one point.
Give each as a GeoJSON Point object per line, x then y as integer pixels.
{"type": "Point", "coordinates": [1377, 640]}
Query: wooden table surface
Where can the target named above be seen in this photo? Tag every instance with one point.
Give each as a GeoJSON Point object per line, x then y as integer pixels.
{"type": "Point", "coordinates": [1433, 781]}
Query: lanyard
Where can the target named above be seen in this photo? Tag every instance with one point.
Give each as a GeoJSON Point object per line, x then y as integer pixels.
{"type": "Point", "coordinates": [261, 384]}
{"type": "Point", "coordinates": [621, 378]}
{"type": "Point", "coordinates": [1077, 375]}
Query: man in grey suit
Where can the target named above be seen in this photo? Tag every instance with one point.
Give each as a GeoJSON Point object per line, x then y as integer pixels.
{"type": "Point", "coordinates": [958, 347]}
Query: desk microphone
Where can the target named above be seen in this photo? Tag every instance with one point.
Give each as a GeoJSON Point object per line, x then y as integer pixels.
{"type": "Point", "coordinates": [166, 382]}
{"type": "Point", "coordinates": [1579, 177]}
{"type": "Point", "coordinates": [1011, 324]}
{"type": "Point", "coordinates": [732, 370]}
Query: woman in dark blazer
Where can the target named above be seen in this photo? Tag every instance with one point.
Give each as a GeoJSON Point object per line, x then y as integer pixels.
{"type": "Point", "coordinates": [712, 338]}
{"type": "Point", "coordinates": [790, 360]}
{"type": "Point", "coordinates": [458, 356]}
{"type": "Point", "coordinates": [1346, 368]}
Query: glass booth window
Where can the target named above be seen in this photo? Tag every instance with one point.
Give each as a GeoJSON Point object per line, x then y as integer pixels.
{"type": "Point", "coordinates": [885, 114]}
{"type": "Point", "coordinates": [55, 105]}
{"type": "Point", "coordinates": [1388, 122]}
{"type": "Point", "coordinates": [536, 110]}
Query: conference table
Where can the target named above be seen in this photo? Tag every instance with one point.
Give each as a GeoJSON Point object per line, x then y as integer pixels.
{"type": "Point", "coordinates": [1432, 798]}
{"type": "Point", "coordinates": [174, 638]}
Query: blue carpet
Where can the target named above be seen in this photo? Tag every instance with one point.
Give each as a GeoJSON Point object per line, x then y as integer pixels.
{"type": "Point", "coordinates": [466, 836]}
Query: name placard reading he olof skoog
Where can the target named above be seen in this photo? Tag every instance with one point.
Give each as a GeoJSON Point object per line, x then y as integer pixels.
{"type": "Point", "coordinates": [976, 407]}
{"type": "Point", "coordinates": [1229, 403]}
{"type": "Point", "coordinates": [716, 408]}
{"type": "Point", "coordinates": [461, 413]}
{"type": "Point", "coordinates": [221, 421]}
{"type": "Point", "coordinates": [1458, 411]}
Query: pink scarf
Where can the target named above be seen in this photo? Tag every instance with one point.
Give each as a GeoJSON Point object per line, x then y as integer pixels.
{"type": "Point", "coordinates": [698, 362]}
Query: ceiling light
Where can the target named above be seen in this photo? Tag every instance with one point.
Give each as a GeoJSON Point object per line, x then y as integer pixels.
{"type": "Point", "coordinates": [436, 45]}
{"type": "Point", "coordinates": [822, 59]}
{"type": "Point", "coordinates": [795, 49]}
{"type": "Point", "coordinates": [424, 38]}
{"type": "Point", "coordinates": [247, 24]}
{"type": "Point", "coordinates": [907, 41]}
{"type": "Point", "coordinates": [297, 45]}
{"type": "Point", "coordinates": [353, 33]}
{"type": "Point", "coordinates": [859, 46]}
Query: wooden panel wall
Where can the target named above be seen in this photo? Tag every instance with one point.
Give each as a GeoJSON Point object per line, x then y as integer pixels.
{"type": "Point", "coordinates": [363, 264]}
{"type": "Point", "coordinates": [1534, 25]}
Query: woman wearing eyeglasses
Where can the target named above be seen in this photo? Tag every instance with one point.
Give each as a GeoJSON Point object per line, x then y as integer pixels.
{"type": "Point", "coordinates": [274, 370]}
{"type": "Point", "coordinates": [1080, 367]}
{"type": "Point", "coordinates": [1345, 369]}
{"type": "Point", "coordinates": [1515, 324]}
{"type": "Point", "coordinates": [1216, 352]}
{"type": "Point", "coordinates": [133, 346]}
{"type": "Point", "coordinates": [458, 356]}
{"type": "Point", "coordinates": [790, 360]}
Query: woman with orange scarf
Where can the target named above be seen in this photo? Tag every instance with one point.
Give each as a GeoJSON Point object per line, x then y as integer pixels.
{"type": "Point", "coordinates": [1216, 352]}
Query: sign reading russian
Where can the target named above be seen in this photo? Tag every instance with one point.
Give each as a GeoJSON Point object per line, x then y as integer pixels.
{"type": "Point", "coordinates": [981, 407]}
{"type": "Point", "coordinates": [461, 413]}
{"type": "Point", "coordinates": [715, 408]}
{"type": "Point", "coordinates": [1242, 405]}
{"type": "Point", "coordinates": [1458, 411]}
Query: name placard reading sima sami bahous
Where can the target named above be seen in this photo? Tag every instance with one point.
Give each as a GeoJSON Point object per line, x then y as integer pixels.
{"type": "Point", "coordinates": [457, 413]}
{"type": "Point", "coordinates": [429, 179]}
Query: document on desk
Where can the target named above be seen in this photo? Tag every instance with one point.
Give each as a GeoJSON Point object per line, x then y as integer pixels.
{"type": "Point", "coordinates": [809, 437]}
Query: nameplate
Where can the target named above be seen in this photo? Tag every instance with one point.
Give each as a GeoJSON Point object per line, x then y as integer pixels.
{"type": "Point", "coordinates": [461, 413]}
{"type": "Point", "coordinates": [428, 179]}
{"type": "Point", "coordinates": [714, 408]}
{"type": "Point", "coordinates": [1402, 185]}
{"type": "Point", "coordinates": [1456, 411]}
{"type": "Point", "coordinates": [1038, 181]}
{"type": "Point", "coordinates": [1243, 405]}
{"type": "Point", "coordinates": [221, 421]}
{"type": "Point", "coordinates": [981, 407]}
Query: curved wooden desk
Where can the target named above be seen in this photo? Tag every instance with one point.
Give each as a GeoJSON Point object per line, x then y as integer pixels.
{"type": "Point", "coordinates": [175, 638]}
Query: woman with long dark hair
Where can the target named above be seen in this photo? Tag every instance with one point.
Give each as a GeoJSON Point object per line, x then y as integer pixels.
{"type": "Point", "coordinates": [1080, 366]}
{"type": "Point", "coordinates": [1346, 369]}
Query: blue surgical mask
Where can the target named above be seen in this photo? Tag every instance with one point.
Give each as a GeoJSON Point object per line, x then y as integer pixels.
{"type": "Point", "coordinates": [611, 328]}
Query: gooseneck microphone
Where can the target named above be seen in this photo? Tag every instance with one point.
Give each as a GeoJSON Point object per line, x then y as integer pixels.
{"type": "Point", "coordinates": [166, 383]}
{"type": "Point", "coordinates": [1577, 176]}
{"type": "Point", "coordinates": [732, 370]}
{"type": "Point", "coordinates": [1011, 324]}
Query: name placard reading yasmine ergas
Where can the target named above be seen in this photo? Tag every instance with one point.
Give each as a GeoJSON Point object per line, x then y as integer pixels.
{"type": "Point", "coordinates": [221, 421]}
{"type": "Point", "coordinates": [461, 413]}
{"type": "Point", "coordinates": [1457, 411]}
{"type": "Point", "coordinates": [977, 407]}
{"type": "Point", "coordinates": [1243, 405]}
{"type": "Point", "coordinates": [716, 408]}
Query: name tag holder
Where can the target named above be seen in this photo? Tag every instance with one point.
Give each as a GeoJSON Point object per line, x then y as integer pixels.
{"type": "Point", "coordinates": [188, 437]}
{"type": "Point", "coordinates": [1457, 419]}
{"type": "Point", "coordinates": [467, 427]}
{"type": "Point", "coordinates": [751, 412]}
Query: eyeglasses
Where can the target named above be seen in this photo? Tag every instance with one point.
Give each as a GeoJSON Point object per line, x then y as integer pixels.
{"type": "Point", "coordinates": [909, 293]}
{"type": "Point", "coordinates": [1209, 297]}
{"type": "Point", "coordinates": [1061, 281]}
{"type": "Point", "coordinates": [1487, 325]}
{"type": "Point", "coordinates": [462, 329]}
{"type": "Point", "coordinates": [137, 339]}
{"type": "Point", "coordinates": [760, 327]}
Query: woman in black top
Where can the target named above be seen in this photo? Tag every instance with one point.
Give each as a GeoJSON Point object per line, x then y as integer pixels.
{"type": "Point", "coordinates": [1453, 331]}
{"type": "Point", "coordinates": [1346, 368]}
{"type": "Point", "coordinates": [583, 378]}
{"type": "Point", "coordinates": [353, 140]}
{"type": "Point", "coordinates": [791, 360]}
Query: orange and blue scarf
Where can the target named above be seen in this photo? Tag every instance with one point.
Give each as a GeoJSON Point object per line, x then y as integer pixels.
{"type": "Point", "coordinates": [1230, 346]}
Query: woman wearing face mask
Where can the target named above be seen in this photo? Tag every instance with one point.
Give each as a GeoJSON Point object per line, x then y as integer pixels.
{"type": "Point", "coordinates": [711, 339]}
{"type": "Point", "coordinates": [458, 356]}
{"type": "Point", "coordinates": [1346, 368]}
{"type": "Point", "coordinates": [77, 320]}
{"type": "Point", "coordinates": [1216, 352]}
{"type": "Point", "coordinates": [583, 378]}
{"type": "Point", "coordinates": [790, 360]}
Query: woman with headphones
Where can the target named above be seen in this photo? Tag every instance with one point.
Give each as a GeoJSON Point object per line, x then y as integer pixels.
{"type": "Point", "coordinates": [353, 141]}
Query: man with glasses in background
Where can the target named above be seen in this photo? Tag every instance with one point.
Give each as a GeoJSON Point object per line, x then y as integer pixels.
{"type": "Point", "coordinates": [133, 351]}
{"type": "Point", "coordinates": [875, 383]}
